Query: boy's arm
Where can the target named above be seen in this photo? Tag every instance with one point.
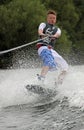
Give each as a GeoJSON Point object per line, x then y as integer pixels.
{"type": "Point", "coordinates": [40, 32]}
{"type": "Point", "coordinates": [40, 29]}
{"type": "Point", "coordinates": [57, 34]}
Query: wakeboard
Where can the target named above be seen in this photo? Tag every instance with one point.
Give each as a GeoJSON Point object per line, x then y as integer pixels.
{"type": "Point", "coordinates": [39, 89]}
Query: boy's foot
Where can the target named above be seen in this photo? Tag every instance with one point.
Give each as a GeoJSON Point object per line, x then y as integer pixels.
{"type": "Point", "coordinates": [60, 81]}
{"type": "Point", "coordinates": [40, 77]}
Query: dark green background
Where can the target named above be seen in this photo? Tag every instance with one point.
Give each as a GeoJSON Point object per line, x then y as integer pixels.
{"type": "Point", "coordinates": [19, 21]}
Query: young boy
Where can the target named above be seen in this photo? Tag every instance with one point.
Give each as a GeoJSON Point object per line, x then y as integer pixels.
{"type": "Point", "coordinates": [51, 59]}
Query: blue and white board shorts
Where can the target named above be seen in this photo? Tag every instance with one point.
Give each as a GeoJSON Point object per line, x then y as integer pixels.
{"type": "Point", "coordinates": [47, 58]}
{"type": "Point", "coordinates": [52, 59]}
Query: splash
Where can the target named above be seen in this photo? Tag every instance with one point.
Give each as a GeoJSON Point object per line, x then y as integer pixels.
{"type": "Point", "coordinates": [12, 87]}
{"type": "Point", "coordinates": [13, 82]}
{"type": "Point", "coordinates": [73, 86]}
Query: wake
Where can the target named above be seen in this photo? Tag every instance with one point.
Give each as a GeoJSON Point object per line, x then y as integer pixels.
{"type": "Point", "coordinates": [13, 82]}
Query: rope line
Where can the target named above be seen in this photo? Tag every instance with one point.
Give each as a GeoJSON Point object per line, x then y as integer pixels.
{"type": "Point", "coordinates": [16, 48]}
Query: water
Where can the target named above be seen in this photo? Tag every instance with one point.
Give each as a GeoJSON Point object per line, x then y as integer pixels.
{"type": "Point", "coordinates": [22, 110]}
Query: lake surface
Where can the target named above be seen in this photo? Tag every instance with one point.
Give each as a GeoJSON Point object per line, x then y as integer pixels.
{"type": "Point", "coordinates": [23, 110]}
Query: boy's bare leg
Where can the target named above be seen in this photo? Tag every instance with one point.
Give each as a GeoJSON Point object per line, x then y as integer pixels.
{"type": "Point", "coordinates": [61, 77]}
{"type": "Point", "coordinates": [44, 70]}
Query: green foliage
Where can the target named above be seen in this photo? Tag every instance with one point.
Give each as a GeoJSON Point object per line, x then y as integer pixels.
{"type": "Point", "coordinates": [19, 21]}
{"type": "Point", "coordinates": [67, 14]}
{"type": "Point", "coordinates": [4, 1]}
{"type": "Point", "coordinates": [64, 45]}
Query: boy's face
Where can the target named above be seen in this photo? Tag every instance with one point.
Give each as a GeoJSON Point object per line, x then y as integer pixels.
{"type": "Point", "coordinates": [51, 19]}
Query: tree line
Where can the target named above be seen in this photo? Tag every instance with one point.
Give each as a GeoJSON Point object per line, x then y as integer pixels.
{"type": "Point", "coordinates": [19, 20]}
